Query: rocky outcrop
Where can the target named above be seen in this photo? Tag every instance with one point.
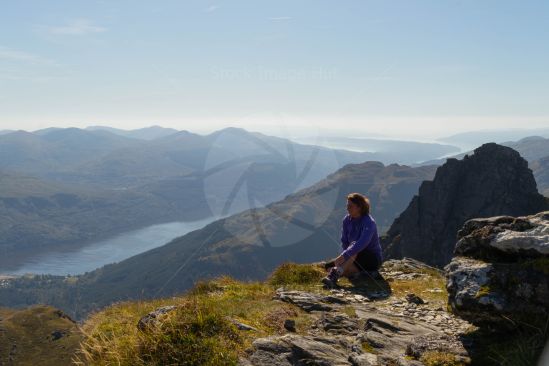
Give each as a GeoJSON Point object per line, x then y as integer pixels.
{"type": "Point", "coordinates": [366, 325]}
{"type": "Point", "coordinates": [495, 180]}
{"type": "Point", "coordinates": [500, 272]}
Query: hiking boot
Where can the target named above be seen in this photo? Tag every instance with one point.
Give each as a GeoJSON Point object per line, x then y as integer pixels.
{"type": "Point", "coordinates": [375, 275]}
{"type": "Point", "coordinates": [356, 276]}
{"type": "Point", "coordinates": [330, 281]}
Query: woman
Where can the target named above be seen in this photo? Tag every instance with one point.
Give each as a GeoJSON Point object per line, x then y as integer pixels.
{"type": "Point", "coordinates": [359, 241]}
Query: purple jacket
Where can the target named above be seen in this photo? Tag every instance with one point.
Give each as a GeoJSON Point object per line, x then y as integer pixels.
{"type": "Point", "coordinates": [359, 234]}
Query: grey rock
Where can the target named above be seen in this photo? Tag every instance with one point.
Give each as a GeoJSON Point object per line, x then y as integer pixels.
{"type": "Point", "coordinates": [309, 301]}
{"type": "Point", "coordinates": [240, 325]}
{"type": "Point", "coordinates": [291, 349]}
{"type": "Point", "coordinates": [289, 325]}
{"type": "Point", "coordinates": [414, 299]}
{"type": "Point", "coordinates": [154, 317]}
{"type": "Point", "coordinates": [372, 335]}
{"type": "Point", "coordinates": [500, 270]}
{"type": "Point", "coordinates": [440, 343]}
{"type": "Point", "coordinates": [338, 323]}
{"type": "Point", "coordinates": [58, 334]}
{"type": "Point", "coordinates": [505, 238]}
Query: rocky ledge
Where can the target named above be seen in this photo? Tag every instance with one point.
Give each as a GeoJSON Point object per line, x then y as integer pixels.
{"type": "Point", "coordinates": [500, 270]}
{"type": "Point", "coordinates": [366, 324]}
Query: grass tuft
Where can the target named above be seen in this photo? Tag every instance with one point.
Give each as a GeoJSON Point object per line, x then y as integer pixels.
{"type": "Point", "coordinates": [200, 331]}
{"type": "Point", "coordinates": [436, 358]}
{"type": "Point", "coordinates": [296, 274]}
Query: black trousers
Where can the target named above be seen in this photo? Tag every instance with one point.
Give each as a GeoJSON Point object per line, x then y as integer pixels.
{"type": "Point", "coordinates": [367, 261]}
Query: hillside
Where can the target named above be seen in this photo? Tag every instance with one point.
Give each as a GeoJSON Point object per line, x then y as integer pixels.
{"type": "Point", "coordinates": [39, 215]}
{"type": "Point", "coordinates": [39, 335]}
{"type": "Point", "coordinates": [289, 319]}
{"type": "Point", "coordinates": [48, 153]}
{"type": "Point", "coordinates": [246, 245]}
{"type": "Point", "coordinates": [401, 318]}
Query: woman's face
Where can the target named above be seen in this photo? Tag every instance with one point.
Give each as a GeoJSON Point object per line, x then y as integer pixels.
{"type": "Point", "coordinates": [353, 209]}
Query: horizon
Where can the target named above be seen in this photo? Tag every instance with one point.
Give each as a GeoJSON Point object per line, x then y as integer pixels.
{"type": "Point", "coordinates": [299, 136]}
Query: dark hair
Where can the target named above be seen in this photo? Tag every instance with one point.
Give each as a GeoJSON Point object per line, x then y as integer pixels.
{"type": "Point", "coordinates": [361, 201]}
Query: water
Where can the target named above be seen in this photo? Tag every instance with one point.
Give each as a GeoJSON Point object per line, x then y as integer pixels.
{"type": "Point", "coordinates": [104, 252]}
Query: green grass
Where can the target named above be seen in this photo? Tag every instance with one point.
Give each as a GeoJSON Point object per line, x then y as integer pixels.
{"type": "Point", "coordinates": [422, 287]}
{"type": "Point", "coordinates": [200, 330]}
{"type": "Point", "coordinates": [288, 274]}
{"type": "Point", "coordinates": [367, 347]}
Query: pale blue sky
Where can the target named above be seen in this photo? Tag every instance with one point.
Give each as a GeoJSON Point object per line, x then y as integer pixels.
{"type": "Point", "coordinates": [389, 67]}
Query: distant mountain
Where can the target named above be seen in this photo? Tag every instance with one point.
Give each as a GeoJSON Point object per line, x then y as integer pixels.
{"type": "Point", "coordinates": [55, 150]}
{"type": "Point", "coordinates": [102, 158]}
{"type": "Point", "coordinates": [3, 132]}
{"type": "Point", "coordinates": [540, 168]}
{"type": "Point", "coordinates": [188, 154]}
{"type": "Point", "coordinates": [530, 148]}
{"type": "Point", "coordinates": [387, 151]}
{"type": "Point", "coordinates": [146, 133]}
{"type": "Point", "coordinates": [494, 181]}
{"type": "Point", "coordinates": [302, 227]}
{"type": "Point", "coordinates": [468, 140]}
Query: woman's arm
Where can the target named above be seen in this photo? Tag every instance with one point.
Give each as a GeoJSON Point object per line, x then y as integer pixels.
{"type": "Point", "coordinates": [343, 238]}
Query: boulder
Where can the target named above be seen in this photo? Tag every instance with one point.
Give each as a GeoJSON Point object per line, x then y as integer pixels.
{"type": "Point", "coordinates": [500, 272]}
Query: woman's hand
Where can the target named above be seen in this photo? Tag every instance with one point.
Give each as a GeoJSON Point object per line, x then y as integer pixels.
{"type": "Point", "coordinates": [339, 261]}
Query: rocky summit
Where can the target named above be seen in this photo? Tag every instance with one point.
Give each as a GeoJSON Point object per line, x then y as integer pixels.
{"type": "Point", "coordinates": [493, 181]}
{"type": "Point", "coordinates": [357, 326]}
{"type": "Point", "coordinates": [500, 272]}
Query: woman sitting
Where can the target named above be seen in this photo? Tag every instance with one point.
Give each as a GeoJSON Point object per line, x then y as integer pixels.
{"type": "Point", "coordinates": [359, 241]}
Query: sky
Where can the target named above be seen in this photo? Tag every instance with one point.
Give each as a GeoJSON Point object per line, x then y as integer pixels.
{"type": "Point", "coordinates": [387, 68]}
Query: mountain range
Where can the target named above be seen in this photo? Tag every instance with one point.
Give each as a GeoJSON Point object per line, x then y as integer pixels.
{"type": "Point", "coordinates": [65, 187]}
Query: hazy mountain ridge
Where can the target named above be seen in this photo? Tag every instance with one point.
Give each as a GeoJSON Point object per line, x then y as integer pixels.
{"type": "Point", "coordinates": [386, 151]}
{"type": "Point", "coordinates": [146, 133]}
{"type": "Point", "coordinates": [86, 185]}
{"type": "Point", "coordinates": [477, 138]}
